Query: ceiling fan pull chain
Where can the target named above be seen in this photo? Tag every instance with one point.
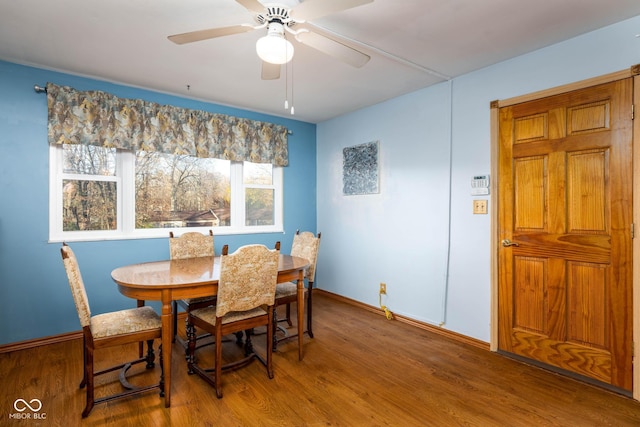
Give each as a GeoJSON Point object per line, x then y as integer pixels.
{"type": "Point", "coordinates": [292, 109]}
{"type": "Point", "coordinates": [286, 87]}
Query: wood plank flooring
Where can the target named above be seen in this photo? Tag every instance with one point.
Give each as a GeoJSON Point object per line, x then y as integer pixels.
{"type": "Point", "coordinates": [359, 370]}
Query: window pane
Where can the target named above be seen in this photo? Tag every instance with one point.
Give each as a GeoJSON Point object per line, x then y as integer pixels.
{"type": "Point", "coordinates": [181, 191]}
{"type": "Point", "coordinates": [258, 173]}
{"type": "Point", "coordinates": [89, 205]}
{"type": "Point", "coordinates": [89, 160]}
{"type": "Point", "coordinates": [259, 206]}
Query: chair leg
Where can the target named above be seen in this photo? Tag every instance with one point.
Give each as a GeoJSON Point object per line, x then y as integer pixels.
{"type": "Point", "coordinates": [151, 357]}
{"type": "Point", "coordinates": [271, 342]}
{"type": "Point", "coordinates": [274, 322]}
{"type": "Point", "coordinates": [174, 307]}
{"type": "Point", "coordinates": [309, 308]}
{"type": "Point", "coordinates": [161, 385]}
{"type": "Point", "coordinates": [88, 367]}
{"type": "Point", "coordinates": [186, 344]}
{"type": "Point", "coordinates": [248, 345]}
{"type": "Point", "coordinates": [238, 338]}
{"type": "Point", "coordinates": [288, 315]}
{"type": "Point", "coordinates": [83, 383]}
{"type": "Point", "coordinates": [218, 370]}
{"type": "Point", "coordinates": [191, 347]}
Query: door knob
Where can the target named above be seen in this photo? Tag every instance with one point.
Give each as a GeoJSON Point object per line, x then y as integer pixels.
{"type": "Point", "coordinates": [506, 243]}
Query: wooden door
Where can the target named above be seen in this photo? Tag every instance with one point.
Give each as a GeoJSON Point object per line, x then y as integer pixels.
{"type": "Point", "coordinates": [565, 204]}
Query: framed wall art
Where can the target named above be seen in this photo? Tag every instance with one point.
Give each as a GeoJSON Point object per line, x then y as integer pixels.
{"type": "Point", "coordinates": [360, 169]}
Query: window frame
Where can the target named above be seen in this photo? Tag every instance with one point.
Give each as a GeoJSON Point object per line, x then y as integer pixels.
{"type": "Point", "coordinates": [125, 182]}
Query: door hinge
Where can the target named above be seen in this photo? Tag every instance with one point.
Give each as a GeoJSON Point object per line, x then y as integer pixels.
{"type": "Point", "coordinates": [633, 230]}
{"type": "Point", "coordinates": [633, 111]}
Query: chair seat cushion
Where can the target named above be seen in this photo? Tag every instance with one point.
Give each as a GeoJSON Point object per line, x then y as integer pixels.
{"type": "Point", "coordinates": [198, 300]}
{"type": "Point", "coordinates": [286, 289]}
{"type": "Point", "coordinates": [208, 314]}
{"type": "Point", "coordinates": [125, 322]}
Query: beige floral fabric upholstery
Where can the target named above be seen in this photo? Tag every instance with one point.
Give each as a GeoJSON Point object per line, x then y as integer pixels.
{"type": "Point", "coordinates": [77, 285]}
{"type": "Point", "coordinates": [196, 300]}
{"type": "Point", "coordinates": [286, 289]}
{"type": "Point", "coordinates": [125, 322]}
{"type": "Point", "coordinates": [190, 245]}
{"type": "Point", "coordinates": [208, 314]}
{"type": "Point", "coordinates": [247, 279]}
{"type": "Point", "coordinates": [107, 324]}
{"type": "Point", "coordinates": [305, 245]}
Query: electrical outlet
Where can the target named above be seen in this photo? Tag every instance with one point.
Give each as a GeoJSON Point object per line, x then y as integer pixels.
{"type": "Point", "coordinates": [383, 288]}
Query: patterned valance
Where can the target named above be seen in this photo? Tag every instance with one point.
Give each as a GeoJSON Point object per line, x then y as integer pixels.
{"type": "Point", "coordinates": [102, 119]}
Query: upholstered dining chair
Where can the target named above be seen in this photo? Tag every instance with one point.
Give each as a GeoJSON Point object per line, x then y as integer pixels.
{"type": "Point", "coordinates": [246, 293]}
{"type": "Point", "coordinates": [108, 330]}
{"type": "Point", "coordinates": [190, 245]}
{"type": "Point", "coordinates": [305, 245]}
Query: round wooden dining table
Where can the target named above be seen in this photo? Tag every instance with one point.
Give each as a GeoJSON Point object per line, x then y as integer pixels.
{"type": "Point", "coordinates": [171, 280]}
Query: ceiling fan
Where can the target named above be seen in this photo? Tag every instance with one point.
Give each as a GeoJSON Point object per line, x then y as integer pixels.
{"type": "Point", "coordinates": [274, 49]}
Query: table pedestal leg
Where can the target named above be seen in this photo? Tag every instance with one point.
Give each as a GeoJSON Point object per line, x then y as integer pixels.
{"type": "Point", "coordinates": [141, 344]}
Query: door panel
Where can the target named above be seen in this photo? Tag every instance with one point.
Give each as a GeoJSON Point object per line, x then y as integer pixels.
{"type": "Point", "coordinates": [531, 192]}
{"type": "Point", "coordinates": [565, 201]}
{"type": "Point", "coordinates": [586, 288]}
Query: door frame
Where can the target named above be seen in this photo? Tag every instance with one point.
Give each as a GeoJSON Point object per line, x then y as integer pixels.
{"type": "Point", "coordinates": [632, 72]}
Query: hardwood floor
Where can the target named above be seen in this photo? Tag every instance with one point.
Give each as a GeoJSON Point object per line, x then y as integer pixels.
{"type": "Point", "coordinates": [359, 370]}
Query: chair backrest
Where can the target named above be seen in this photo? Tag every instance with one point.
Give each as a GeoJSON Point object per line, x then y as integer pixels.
{"type": "Point", "coordinates": [306, 245]}
{"type": "Point", "coordinates": [77, 285]}
{"type": "Point", "coordinates": [248, 278]}
{"type": "Point", "coordinates": [190, 245]}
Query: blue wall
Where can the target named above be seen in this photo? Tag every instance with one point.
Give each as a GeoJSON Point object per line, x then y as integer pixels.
{"type": "Point", "coordinates": [419, 235]}
{"type": "Point", "coordinates": [34, 292]}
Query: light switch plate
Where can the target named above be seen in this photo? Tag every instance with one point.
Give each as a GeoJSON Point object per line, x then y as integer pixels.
{"type": "Point", "coordinates": [479, 207]}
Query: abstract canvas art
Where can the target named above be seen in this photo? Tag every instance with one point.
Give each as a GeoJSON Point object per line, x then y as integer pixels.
{"type": "Point", "coordinates": [360, 169]}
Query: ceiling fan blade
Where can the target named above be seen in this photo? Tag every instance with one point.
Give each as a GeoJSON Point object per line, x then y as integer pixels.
{"type": "Point", "coordinates": [196, 36]}
{"type": "Point", "coordinates": [333, 48]}
{"type": "Point", "coordinates": [312, 9]}
{"type": "Point", "coordinates": [252, 5]}
{"type": "Point", "coordinates": [270, 71]}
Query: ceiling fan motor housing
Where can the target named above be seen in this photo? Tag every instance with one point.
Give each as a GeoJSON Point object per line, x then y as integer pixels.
{"type": "Point", "coordinates": [279, 14]}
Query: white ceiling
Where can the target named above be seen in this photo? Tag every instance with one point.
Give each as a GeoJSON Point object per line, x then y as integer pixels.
{"type": "Point", "coordinates": [412, 44]}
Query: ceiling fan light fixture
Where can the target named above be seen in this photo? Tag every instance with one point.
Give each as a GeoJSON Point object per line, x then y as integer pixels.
{"type": "Point", "coordinates": [273, 47]}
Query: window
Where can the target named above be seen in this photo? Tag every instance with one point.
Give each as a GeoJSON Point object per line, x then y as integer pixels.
{"type": "Point", "coordinates": [259, 194]}
{"type": "Point", "coordinates": [102, 193]}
